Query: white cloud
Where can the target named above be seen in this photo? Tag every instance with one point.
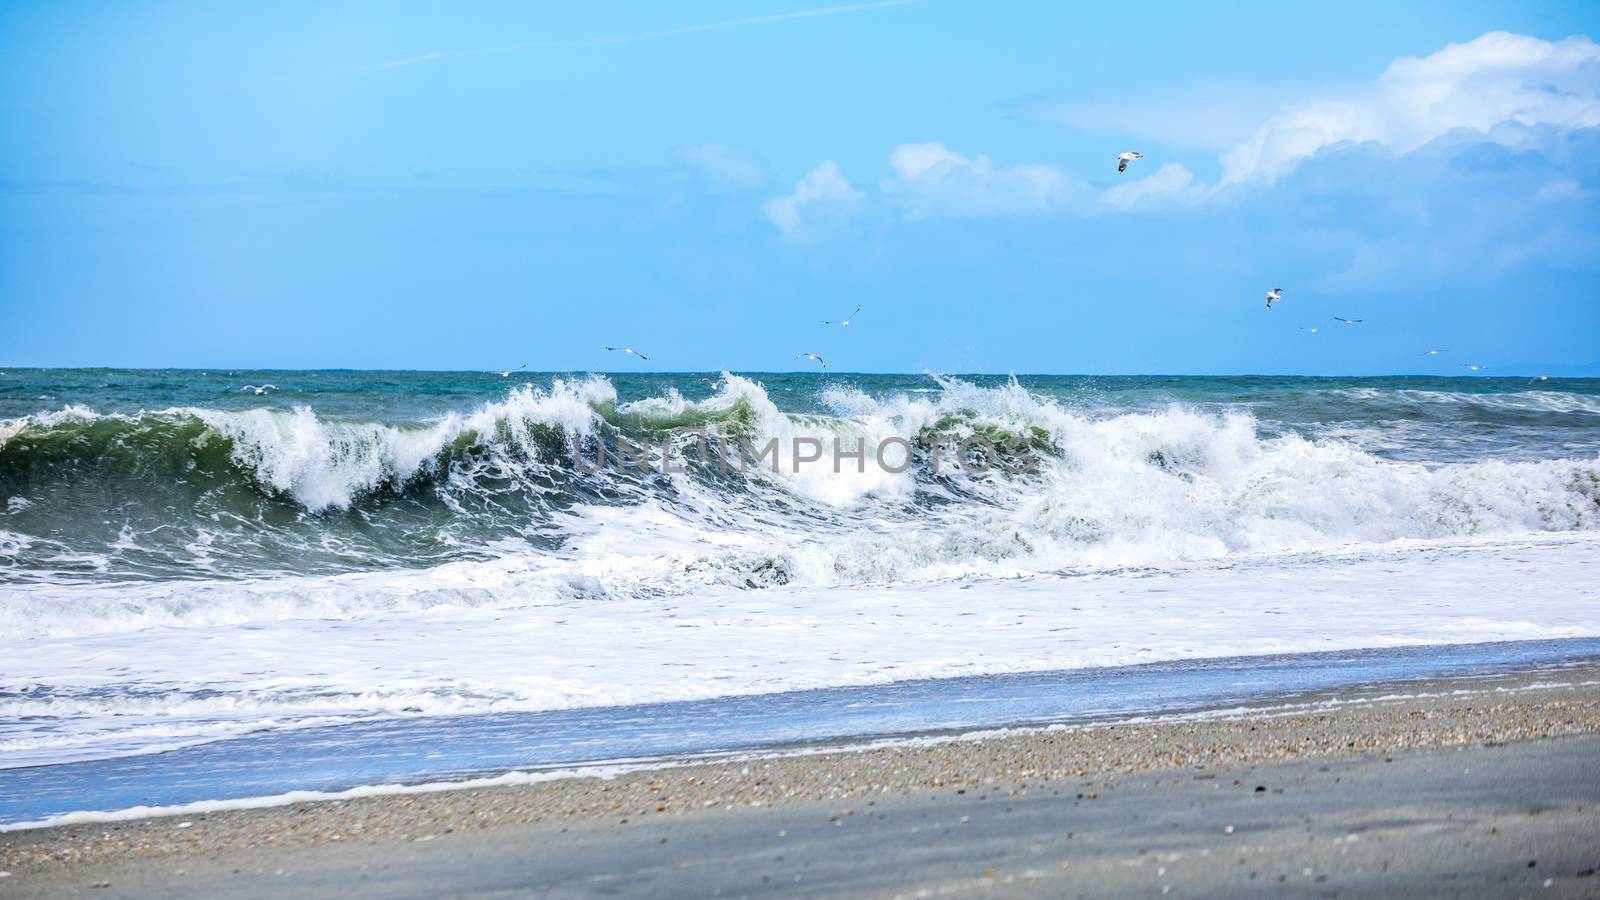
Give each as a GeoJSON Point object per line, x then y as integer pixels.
{"type": "Point", "coordinates": [931, 181]}
{"type": "Point", "coordinates": [723, 165]}
{"type": "Point", "coordinates": [1494, 79]}
{"type": "Point", "coordinates": [821, 199]}
{"type": "Point", "coordinates": [1498, 86]}
{"type": "Point", "coordinates": [1170, 183]}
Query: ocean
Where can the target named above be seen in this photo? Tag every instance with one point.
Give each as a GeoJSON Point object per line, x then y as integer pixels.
{"type": "Point", "coordinates": [184, 564]}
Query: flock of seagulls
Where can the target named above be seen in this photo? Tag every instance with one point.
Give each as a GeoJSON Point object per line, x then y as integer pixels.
{"type": "Point", "coordinates": [844, 323]}
{"type": "Point", "coordinates": [1276, 294]}
{"type": "Point", "coordinates": [1123, 159]}
{"type": "Point", "coordinates": [1273, 296]}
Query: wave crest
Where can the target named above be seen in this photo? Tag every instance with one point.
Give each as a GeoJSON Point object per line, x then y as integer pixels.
{"type": "Point", "coordinates": [204, 492]}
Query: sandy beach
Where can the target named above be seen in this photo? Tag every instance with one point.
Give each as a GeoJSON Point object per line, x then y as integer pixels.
{"type": "Point", "coordinates": [1479, 786]}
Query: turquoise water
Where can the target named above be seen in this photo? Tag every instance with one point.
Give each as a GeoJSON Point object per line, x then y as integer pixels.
{"type": "Point", "coordinates": [410, 397]}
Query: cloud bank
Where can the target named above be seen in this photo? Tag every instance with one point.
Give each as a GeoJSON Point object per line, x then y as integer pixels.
{"type": "Point", "coordinates": [1498, 88]}
{"type": "Point", "coordinates": [1497, 78]}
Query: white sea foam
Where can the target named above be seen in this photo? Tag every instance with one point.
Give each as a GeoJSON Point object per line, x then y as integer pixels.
{"type": "Point", "coordinates": [721, 640]}
{"type": "Point", "coordinates": [1154, 488]}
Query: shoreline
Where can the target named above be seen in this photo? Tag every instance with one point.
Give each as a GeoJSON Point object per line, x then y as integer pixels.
{"type": "Point", "coordinates": [1514, 713]}
{"type": "Point", "coordinates": [325, 761]}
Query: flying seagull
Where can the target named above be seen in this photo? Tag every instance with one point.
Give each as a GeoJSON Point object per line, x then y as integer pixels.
{"type": "Point", "coordinates": [1124, 158]}
{"type": "Point", "coordinates": [813, 356]}
{"type": "Point", "coordinates": [628, 350]}
{"type": "Point", "coordinates": [1273, 296]}
{"type": "Point", "coordinates": [846, 320]}
{"type": "Point", "coordinates": [1349, 321]}
{"type": "Point", "coordinates": [1430, 353]}
{"type": "Point", "coordinates": [1473, 366]}
{"type": "Point", "coordinates": [259, 390]}
{"type": "Point", "coordinates": [517, 369]}
{"type": "Point", "coordinates": [1313, 330]}
{"type": "Point", "coordinates": [1538, 378]}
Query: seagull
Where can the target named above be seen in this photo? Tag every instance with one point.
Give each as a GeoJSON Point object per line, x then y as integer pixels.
{"type": "Point", "coordinates": [819, 359]}
{"type": "Point", "coordinates": [1538, 378]}
{"type": "Point", "coordinates": [517, 369]}
{"type": "Point", "coordinates": [846, 320]}
{"type": "Point", "coordinates": [259, 390]}
{"type": "Point", "coordinates": [1473, 366]}
{"type": "Point", "coordinates": [1124, 158]}
{"type": "Point", "coordinates": [628, 350]}
{"type": "Point", "coordinates": [1274, 295]}
{"type": "Point", "coordinates": [1312, 330]}
{"type": "Point", "coordinates": [1349, 321]}
{"type": "Point", "coordinates": [1430, 353]}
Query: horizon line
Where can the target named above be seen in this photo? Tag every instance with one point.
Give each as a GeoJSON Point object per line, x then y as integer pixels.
{"type": "Point", "coordinates": [1507, 373]}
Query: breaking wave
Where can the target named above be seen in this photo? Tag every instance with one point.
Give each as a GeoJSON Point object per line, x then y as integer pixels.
{"type": "Point", "coordinates": [203, 516]}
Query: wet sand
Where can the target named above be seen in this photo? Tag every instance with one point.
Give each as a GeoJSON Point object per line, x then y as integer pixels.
{"type": "Point", "coordinates": [1462, 787]}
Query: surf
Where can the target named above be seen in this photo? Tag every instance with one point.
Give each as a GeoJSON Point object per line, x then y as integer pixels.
{"type": "Point", "coordinates": [281, 500]}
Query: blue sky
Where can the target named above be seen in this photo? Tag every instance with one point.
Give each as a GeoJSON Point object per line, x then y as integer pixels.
{"type": "Point", "coordinates": [434, 186]}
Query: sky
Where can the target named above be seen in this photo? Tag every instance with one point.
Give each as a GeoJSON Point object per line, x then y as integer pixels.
{"type": "Point", "coordinates": [478, 186]}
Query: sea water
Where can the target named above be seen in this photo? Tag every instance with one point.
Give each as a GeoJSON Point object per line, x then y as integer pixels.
{"type": "Point", "coordinates": [183, 562]}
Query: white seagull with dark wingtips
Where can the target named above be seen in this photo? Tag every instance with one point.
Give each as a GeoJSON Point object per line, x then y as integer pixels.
{"type": "Point", "coordinates": [1274, 296]}
{"type": "Point", "coordinates": [1312, 329]}
{"type": "Point", "coordinates": [1350, 321]}
{"type": "Point", "coordinates": [1124, 158]}
{"type": "Point", "coordinates": [846, 320]}
{"type": "Point", "coordinates": [1473, 367]}
{"type": "Point", "coordinates": [1430, 353]}
{"type": "Point", "coordinates": [628, 350]}
{"type": "Point", "coordinates": [259, 390]}
{"type": "Point", "coordinates": [812, 356]}
{"type": "Point", "coordinates": [517, 369]}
